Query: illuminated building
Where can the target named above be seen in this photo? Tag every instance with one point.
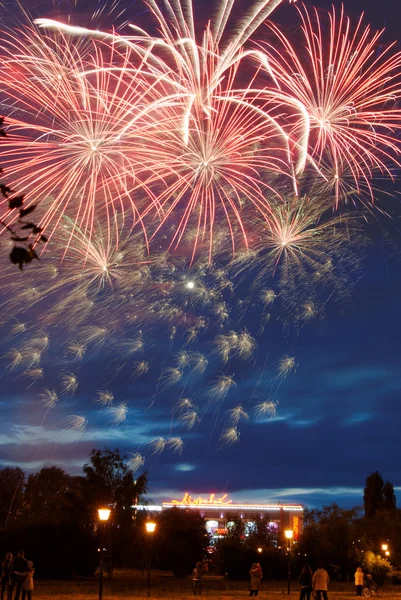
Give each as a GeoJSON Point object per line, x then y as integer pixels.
{"type": "Point", "coordinates": [219, 510]}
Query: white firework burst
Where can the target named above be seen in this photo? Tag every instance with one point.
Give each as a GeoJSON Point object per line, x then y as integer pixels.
{"type": "Point", "coordinates": [135, 462]}
{"type": "Point", "coordinates": [104, 397]}
{"type": "Point", "coordinates": [117, 414]}
{"type": "Point", "coordinates": [268, 408]}
{"type": "Point", "coordinates": [48, 398]}
{"type": "Point", "coordinates": [176, 444]}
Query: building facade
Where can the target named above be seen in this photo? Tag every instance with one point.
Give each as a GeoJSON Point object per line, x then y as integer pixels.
{"type": "Point", "coordinates": [219, 510]}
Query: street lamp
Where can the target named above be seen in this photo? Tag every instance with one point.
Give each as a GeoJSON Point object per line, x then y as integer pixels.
{"type": "Point", "coordinates": [384, 547]}
{"type": "Point", "coordinates": [387, 553]}
{"type": "Point", "coordinates": [150, 528]}
{"type": "Point", "coordinates": [260, 550]}
{"type": "Point", "coordinates": [104, 514]}
{"type": "Point", "coordinates": [289, 535]}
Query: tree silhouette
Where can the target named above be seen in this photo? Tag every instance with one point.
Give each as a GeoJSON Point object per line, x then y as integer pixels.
{"type": "Point", "coordinates": [378, 495]}
{"type": "Point", "coordinates": [25, 235]}
{"type": "Point", "coordinates": [12, 481]}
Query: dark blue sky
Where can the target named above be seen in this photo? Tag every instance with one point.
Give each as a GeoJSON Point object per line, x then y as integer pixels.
{"type": "Point", "coordinates": [338, 416]}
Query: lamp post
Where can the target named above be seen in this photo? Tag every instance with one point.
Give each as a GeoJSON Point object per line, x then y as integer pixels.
{"type": "Point", "coordinates": [104, 514]}
{"type": "Point", "coordinates": [150, 528]}
{"type": "Point", "coordinates": [289, 535]}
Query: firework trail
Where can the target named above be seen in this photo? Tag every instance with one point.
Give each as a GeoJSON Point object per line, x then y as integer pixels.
{"type": "Point", "coordinates": [229, 155]}
{"type": "Point", "coordinates": [349, 93]}
{"type": "Point", "coordinates": [79, 140]}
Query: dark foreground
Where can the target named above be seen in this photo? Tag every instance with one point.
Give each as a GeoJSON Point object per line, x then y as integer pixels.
{"type": "Point", "coordinates": [130, 584]}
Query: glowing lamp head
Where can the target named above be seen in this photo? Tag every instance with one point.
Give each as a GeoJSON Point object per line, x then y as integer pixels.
{"type": "Point", "coordinates": [387, 553]}
{"type": "Point", "coordinates": [289, 534]}
{"type": "Point", "coordinates": [260, 550]}
{"type": "Point", "coordinates": [150, 527]}
{"type": "Point", "coordinates": [190, 285]}
{"type": "Point", "coordinates": [384, 547]}
{"type": "Point", "coordinates": [104, 514]}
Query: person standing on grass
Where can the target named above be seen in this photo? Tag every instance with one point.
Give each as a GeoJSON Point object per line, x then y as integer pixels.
{"type": "Point", "coordinates": [254, 573]}
{"type": "Point", "coordinates": [358, 581]}
{"type": "Point", "coordinates": [305, 580]}
{"type": "Point", "coordinates": [5, 574]}
{"type": "Point", "coordinates": [19, 569]}
{"type": "Point", "coordinates": [320, 581]}
{"type": "Point", "coordinates": [197, 574]}
{"type": "Point", "coordinates": [27, 585]}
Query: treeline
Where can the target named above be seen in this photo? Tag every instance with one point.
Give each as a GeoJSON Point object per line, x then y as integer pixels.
{"type": "Point", "coordinates": [342, 538]}
{"type": "Point", "coordinates": [347, 538]}
{"type": "Point", "coordinates": [53, 515]}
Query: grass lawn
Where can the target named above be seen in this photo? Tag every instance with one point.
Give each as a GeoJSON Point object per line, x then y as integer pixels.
{"type": "Point", "coordinates": [128, 584]}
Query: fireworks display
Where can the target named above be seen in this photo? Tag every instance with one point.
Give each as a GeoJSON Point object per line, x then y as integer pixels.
{"type": "Point", "coordinates": [196, 186]}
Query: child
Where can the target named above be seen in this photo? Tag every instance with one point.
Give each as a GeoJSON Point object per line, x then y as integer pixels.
{"type": "Point", "coordinates": [27, 585]}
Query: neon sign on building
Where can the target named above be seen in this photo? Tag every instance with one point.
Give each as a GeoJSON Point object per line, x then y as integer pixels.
{"type": "Point", "coordinates": [213, 502]}
{"type": "Point", "coordinates": [189, 501]}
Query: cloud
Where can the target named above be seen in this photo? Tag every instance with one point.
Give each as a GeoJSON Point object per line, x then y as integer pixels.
{"type": "Point", "coordinates": [184, 467]}
{"type": "Point", "coordinates": [358, 418]}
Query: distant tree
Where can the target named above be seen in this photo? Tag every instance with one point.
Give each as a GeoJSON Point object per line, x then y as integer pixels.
{"type": "Point", "coordinates": [53, 497]}
{"type": "Point", "coordinates": [235, 527]}
{"type": "Point", "coordinates": [244, 543]}
{"type": "Point", "coordinates": [378, 495]}
{"type": "Point", "coordinates": [108, 482]}
{"type": "Point", "coordinates": [389, 499]}
{"type": "Point", "coordinates": [58, 551]}
{"type": "Point", "coordinates": [377, 566]}
{"type": "Point", "coordinates": [180, 540]}
{"type": "Point", "coordinates": [12, 482]}
{"type": "Point", "coordinates": [330, 534]}
{"type": "Point", "coordinates": [261, 535]}
{"type": "Point", "coordinates": [373, 494]}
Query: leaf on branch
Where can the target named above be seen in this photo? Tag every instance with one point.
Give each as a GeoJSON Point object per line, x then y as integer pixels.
{"type": "Point", "coordinates": [43, 238]}
{"type": "Point", "coordinates": [5, 190]}
{"type": "Point", "coordinates": [16, 202]}
{"type": "Point", "coordinates": [33, 226]}
{"type": "Point", "coordinates": [17, 238]}
{"type": "Point", "coordinates": [20, 256]}
{"type": "Point", "coordinates": [2, 133]}
{"type": "Point", "coordinates": [26, 211]}
{"type": "Point", "coordinates": [1, 121]}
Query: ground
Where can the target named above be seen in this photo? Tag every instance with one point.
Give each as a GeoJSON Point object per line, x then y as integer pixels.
{"type": "Point", "coordinates": [164, 586]}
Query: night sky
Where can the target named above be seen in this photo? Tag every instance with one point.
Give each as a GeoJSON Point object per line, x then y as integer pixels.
{"type": "Point", "coordinates": [338, 416]}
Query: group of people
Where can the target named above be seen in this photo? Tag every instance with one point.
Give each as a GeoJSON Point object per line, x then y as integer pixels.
{"type": "Point", "coordinates": [309, 581]}
{"type": "Point", "coordinates": [16, 577]}
{"type": "Point", "coordinates": [319, 580]}
{"type": "Point", "coordinates": [316, 582]}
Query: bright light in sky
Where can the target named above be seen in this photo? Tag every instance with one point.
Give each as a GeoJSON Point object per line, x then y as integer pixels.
{"type": "Point", "coordinates": [190, 285]}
